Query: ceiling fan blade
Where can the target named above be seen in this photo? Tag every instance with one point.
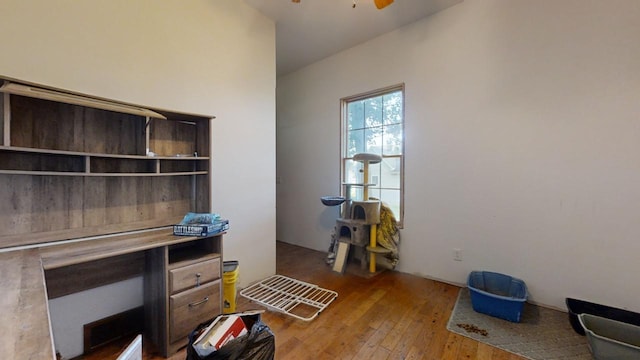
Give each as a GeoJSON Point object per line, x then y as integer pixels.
{"type": "Point", "coordinates": [380, 4]}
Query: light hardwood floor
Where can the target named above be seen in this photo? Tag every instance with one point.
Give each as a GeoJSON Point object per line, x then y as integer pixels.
{"type": "Point", "coordinates": [388, 316]}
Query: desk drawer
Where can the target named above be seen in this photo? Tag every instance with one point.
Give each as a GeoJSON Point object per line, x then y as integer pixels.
{"type": "Point", "coordinates": [187, 277]}
{"type": "Point", "coordinates": [192, 307]}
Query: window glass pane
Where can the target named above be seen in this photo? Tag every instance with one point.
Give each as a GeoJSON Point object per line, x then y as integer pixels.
{"type": "Point", "coordinates": [392, 144]}
{"type": "Point", "coordinates": [356, 193]}
{"type": "Point", "coordinates": [375, 125]}
{"type": "Point", "coordinates": [355, 142]}
{"type": "Point", "coordinates": [392, 108]}
{"type": "Point", "coordinates": [355, 115]}
{"type": "Point", "coordinates": [390, 173]}
{"type": "Point", "coordinates": [374, 140]}
{"type": "Point", "coordinates": [392, 199]}
{"type": "Point", "coordinates": [374, 193]}
{"type": "Point", "coordinates": [374, 174]}
{"type": "Point", "coordinates": [373, 111]}
{"type": "Point", "coordinates": [352, 172]}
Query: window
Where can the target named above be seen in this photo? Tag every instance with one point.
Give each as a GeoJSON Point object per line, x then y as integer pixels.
{"type": "Point", "coordinates": [374, 123]}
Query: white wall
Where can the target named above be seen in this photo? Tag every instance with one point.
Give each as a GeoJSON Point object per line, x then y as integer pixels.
{"type": "Point", "coordinates": [69, 313]}
{"type": "Point", "coordinates": [212, 57]}
{"type": "Point", "coordinates": [522, 144]}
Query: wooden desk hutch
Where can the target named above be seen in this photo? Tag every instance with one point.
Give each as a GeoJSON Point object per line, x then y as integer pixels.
{"type": "Point", "coordinates": [89, 189]}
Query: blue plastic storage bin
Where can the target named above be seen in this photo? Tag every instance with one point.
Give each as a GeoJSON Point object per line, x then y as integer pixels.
{"type": "Point", "coordinates": [496, 294]}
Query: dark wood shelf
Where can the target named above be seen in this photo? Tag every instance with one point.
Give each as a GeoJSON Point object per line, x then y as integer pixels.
{"type": "Point", "coordinates": [92, 187]}
{"type": "Point", "coordinates": [101, 155]}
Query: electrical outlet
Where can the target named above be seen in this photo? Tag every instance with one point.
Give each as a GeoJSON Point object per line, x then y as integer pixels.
{"type": "Point", "coordinates": [457, 254]}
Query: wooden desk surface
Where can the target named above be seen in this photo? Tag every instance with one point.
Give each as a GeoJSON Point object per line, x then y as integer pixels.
{"type": "Point", "coordinates": [79, 252]}
{"type": "Point", "coordinates": [24, 313]}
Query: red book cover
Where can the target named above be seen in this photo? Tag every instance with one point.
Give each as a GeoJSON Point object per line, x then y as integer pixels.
{"type": "Point", "coordinates": [229, 329]}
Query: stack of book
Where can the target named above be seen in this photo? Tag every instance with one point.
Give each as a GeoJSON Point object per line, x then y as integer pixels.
{"type": "Point", "coordinates": [201, 224]}
{"type": "Point", "coordinates": [221, 330]}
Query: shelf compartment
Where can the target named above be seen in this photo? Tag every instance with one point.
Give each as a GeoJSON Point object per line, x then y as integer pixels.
{"type": "Point", "coordinates": [93, 154]}
{"type": "Point", "coordinates": [178, 166]}
{"type": "Point", "coordinates": [106, 175]}
{"type": "Point", "coordinates": [185, 253]}
{"type": "Point", "coordinates": [25, 162]}
{"type": "Point", "coordinates": [49, 208]}
{"type": "Point", "coordinates": [29, 161]}
{"type": "Point", "coordinates": [77, 165]}
{"type": "Point", "coordinates": [176, 138]}
{"type": "Point", "coordinates": [106, 165]}
{"type": "Point", "coordinates": [44, 124]}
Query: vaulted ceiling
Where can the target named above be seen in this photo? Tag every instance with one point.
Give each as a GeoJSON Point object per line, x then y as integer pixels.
{"type": "Point", "coordinates": [311, 30]}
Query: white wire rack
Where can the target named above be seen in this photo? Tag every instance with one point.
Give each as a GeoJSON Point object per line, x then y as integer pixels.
{"type": "Point", "coordinates": [296, 298]}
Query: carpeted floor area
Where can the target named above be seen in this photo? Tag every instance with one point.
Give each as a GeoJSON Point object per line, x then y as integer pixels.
{"type": "Point", "coordinates": [543, 333]}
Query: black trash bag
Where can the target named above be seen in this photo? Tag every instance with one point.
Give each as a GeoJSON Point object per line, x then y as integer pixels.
{"type": "Point", "coordinates": [259, 343]}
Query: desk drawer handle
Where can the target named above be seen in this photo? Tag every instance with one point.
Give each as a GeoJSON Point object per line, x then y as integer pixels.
{"type": "Point", "coordinates": [198, 275]}
{"type": "Point", "coordinates": [199, 302]}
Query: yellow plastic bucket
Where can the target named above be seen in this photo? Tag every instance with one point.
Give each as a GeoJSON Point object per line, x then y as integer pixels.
{"type": "Point", "coordinates": [230, 270]}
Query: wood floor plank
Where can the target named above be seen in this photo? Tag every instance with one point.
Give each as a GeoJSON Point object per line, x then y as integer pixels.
{"type": "Point", "coordinates": [371, 345]}
{"type": "Point", "coordinates": [288, 348]}
{"type": "Point", "coordinates": [423, 340]}
{"type": "Point", "coordinates": [364, 306]}
{"type": "Point", "coordinates": [380, 354]}
{"type": "Point", "coordinates": [500, 355]}
{"type": "Point", "coordinates": [388, 316]}
{"type": "Point", "coordinates": [484, 352]}
{"type": "Point", "coordinates": [468, 349]}
{"type": "Point", "coordinates": [415, 353]}
{"type": "Point", "coordinates": [321, 339]}
{"type": "Point", "coordinates": [452, 347]}
{"type": "Point", "coordinates": [403, 347]}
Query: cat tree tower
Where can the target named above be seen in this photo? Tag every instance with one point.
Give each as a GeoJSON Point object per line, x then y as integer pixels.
{"type": "Point", "coordinates": [359, 218]}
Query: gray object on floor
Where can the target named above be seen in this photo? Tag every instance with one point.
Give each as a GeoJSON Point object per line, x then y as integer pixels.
{"type": "Point", "coordinates": [611, 339]}
{"type": "Point", "coordinates": [542, 334]}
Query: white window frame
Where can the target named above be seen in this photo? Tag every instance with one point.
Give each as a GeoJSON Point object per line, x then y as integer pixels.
{"type": "Point", "coordinates": [344, 138]}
